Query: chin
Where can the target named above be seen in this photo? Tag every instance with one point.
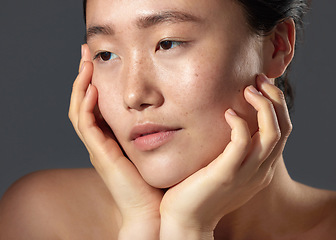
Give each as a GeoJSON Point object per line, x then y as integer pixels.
{"type": "Point", "coordinates": [170, 170]}
{"type": "Point", "coordinates": [163, 181]}
{"type": "Point", "coordinates": [160, 175]}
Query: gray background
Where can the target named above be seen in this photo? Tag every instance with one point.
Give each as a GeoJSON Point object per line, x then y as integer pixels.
{"type": "Point", "coordinates": [39, 54]}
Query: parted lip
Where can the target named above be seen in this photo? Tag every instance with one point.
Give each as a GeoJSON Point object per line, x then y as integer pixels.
{"type": "Point", "coordinates": [149, 128]}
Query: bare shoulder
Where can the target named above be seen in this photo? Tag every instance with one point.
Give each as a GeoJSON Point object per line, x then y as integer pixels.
{"type": "Point", "coordinates": [330, 211]}
{"type": "Point", "coordinates": [54, 204]}
{"type": "Point", "coordinates": [325, 216]}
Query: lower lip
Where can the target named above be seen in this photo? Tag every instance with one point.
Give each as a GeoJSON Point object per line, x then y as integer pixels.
{"type": "Point", "coordinates": [152, 141]}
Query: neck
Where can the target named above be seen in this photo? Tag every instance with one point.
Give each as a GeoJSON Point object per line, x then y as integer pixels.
{"type": "Point", "coordinates": [268, 213]}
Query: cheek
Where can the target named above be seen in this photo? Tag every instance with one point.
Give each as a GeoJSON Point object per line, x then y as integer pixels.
{"type": "Point", "coordinates": [99, 80]}
{"type": "Point", "coordinates": [108, 96]}
{"type": "Point", "coordinates": [208, 85]}
{"type": "Point", "coordinates": [219, 84]}
{"type": "Point", "coordinates": [246, 70]}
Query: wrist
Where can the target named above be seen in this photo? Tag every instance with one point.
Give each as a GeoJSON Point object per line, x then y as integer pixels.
{"type": "Point", "coordinates": [172, 229]}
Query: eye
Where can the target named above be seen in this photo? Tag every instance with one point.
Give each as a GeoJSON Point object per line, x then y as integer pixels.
{"type": "Point", "coordinates": [105, 56]}
{"type": "Point", "coordinates": [167, 44]}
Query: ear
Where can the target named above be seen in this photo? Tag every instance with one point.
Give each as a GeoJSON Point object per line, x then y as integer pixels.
{"type": "Point", "coordinates": [279, 48]}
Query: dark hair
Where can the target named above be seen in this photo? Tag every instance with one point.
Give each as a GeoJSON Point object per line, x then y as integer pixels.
{"type": "Point", "coordinates": [263, 16]}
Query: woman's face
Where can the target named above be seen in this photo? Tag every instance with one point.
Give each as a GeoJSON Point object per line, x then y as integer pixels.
{"type": "Point", "coordinates": [166, 71]}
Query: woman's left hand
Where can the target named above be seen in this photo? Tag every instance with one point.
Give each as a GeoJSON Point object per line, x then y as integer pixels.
{"type": "Point", "coordinates": [193, 208]}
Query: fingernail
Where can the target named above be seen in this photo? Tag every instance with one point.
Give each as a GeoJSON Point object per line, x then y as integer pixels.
{"type": "Point", "coordinates": [262, 77]}
{"type": "Point", "coordinates": [81, 67]}
{"type": "Point", "coordinates": [231, 112]}
{"type": "Point", "coordinates": [252, 89]}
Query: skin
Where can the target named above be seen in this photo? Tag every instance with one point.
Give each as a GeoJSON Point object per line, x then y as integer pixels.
{"type": "Point", "coordinates": [143, 75]}
{"type": "Point", "coordinates": [237, 170]}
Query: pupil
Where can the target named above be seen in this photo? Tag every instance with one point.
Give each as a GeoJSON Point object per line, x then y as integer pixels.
{"type": "Point", "coordinates": [105, 56]}
{"type": "Point", "coordinates": [166, 45]}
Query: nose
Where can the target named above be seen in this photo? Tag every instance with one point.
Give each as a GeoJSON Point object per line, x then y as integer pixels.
{"type": "Point", "coordinates": [142, 89]}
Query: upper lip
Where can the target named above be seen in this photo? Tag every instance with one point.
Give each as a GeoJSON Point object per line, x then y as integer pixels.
{"type": "Point", "coordinates": [149, 128]}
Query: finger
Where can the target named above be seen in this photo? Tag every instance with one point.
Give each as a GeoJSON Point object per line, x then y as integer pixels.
{"type": "Point", "coordinates": [119, 174]}
{"type": "Point", "coordinates": [81, 83]}
{"type": "Point", "coordinates": [78, 93]}
{"type": "Point", "coordinates": [276, 96]}
{"type": "Point", "coordinates": [85, 56]}
{"type": "Point", "coordinates": [268, 134]}
{"type": "Point", "coordinates": [98, 143]}
{"type": "Point", "coordinates": [105, 153]}
{"type": "Point", "coordinates": [228, 163]}
{"type": "Point", "coordinates": [83, 79]}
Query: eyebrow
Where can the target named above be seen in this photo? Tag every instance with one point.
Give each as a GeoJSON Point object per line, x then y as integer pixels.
{"type": "Point", "coordinates": [145, 22]}
{"type": "Point", "coordinates": [166, 17]}
{"type": "Point", "coordinates": [98, 30]}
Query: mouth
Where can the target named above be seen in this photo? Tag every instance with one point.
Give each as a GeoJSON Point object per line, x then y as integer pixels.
{"type": "Point", "coordinates": [149, 137]}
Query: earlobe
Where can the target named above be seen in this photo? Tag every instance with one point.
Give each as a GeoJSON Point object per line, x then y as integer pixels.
{"type": "Point", "coordinates": [279, 49]}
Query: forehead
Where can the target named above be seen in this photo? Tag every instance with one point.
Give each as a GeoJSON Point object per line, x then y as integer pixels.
{"type": "Point", "coordinates": [104, 11]}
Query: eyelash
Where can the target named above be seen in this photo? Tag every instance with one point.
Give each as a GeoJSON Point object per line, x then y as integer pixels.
{"type": "Point", "coordinates": [99, 56]}
{"type": "Point", "coordinates": [171, 44]}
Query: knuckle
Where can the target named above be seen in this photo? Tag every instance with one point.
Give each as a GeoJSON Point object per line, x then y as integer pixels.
{"type": "Point", "coordinates": [280, 95]}
{"type": "Point", "coordinates": [73, 122]}
{"type": "Point", "coordinates": [241, 135]}
{"type": "Point", "coordinates": [73, 117]}
{"type": "Point", "coordinates": [80, 126]}
{"type": "Point", "coordinates": [70, 115]}
{"type": "Point", "coordinates": [277, 135]}
{"type": "Point", "coordinates": [268, 104]}
{"type": "Point", "coordinates": [288, 128]}
{"type": "Point", "coordinates": [274, 136]}
{"type": "Point", "coordinates": [277, 94]}
{"type": "Point", "coordinates": [243, 142]}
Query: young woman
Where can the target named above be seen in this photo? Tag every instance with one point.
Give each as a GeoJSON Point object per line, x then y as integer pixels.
{"type": "Point", "coordinates": [176, 103]}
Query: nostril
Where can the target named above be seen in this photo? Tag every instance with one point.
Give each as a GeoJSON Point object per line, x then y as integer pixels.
{"type": "Point", "coordinates": [145, 105]}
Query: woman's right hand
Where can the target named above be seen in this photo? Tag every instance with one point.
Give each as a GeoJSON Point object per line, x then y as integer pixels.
{"type": "Point", "coordinates": [137, 201]}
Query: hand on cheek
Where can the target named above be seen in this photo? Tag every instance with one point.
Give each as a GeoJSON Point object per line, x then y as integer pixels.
{"type": "Point", "coordinates": [137, 202]}
{"type": "Point", "coordinates": [245, 167]}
